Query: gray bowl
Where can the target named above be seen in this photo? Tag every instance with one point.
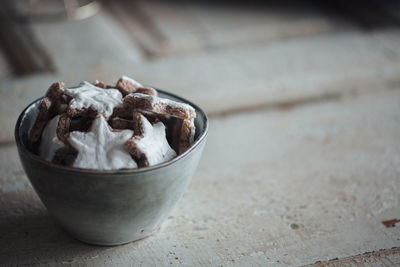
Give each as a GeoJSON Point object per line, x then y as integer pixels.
{"type": "Point", "coordinates": [110, 207]}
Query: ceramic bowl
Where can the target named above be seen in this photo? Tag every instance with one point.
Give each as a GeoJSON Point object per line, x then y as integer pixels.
{"type": "Point", "coordinates": [110, 207]}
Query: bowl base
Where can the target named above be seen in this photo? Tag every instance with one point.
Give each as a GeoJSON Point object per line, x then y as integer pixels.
{"type": "Point", "coordinates": [106, 244]}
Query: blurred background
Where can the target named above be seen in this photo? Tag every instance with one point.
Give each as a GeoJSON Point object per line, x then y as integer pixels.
{"type": "Point", "coordinates": [248, 53]}
{"type": "Point", "coordinates": [302, 161]}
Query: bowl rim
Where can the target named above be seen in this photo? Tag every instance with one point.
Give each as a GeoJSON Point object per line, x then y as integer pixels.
{"type": "Point", "coordinates": [36, 158]}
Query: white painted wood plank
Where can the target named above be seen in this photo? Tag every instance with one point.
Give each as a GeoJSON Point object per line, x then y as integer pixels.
{"type": "Point", "coordinates": [218, 82]}
{"type": "Point", "coordinates": [280, 187]}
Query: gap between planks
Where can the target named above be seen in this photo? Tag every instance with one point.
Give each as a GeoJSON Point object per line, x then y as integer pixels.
{"type": "Point", "coordinates": [262, 107]}
{"type": "Point", "coordinates": [356, 260]}
{"type": "Point", "coordinates": [6, 143]}
{"type": "Point", "coordinates": [280, 105]}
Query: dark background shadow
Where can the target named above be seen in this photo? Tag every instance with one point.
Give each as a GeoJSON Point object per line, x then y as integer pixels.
{"type": "Point", "coordinates": [368, 14]}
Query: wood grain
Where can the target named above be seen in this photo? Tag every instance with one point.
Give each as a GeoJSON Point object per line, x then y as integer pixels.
{"type": "Point", "coordinates": [328, 168]}
{"type": "Point", "coordinates": [390, 257]}
{"type": "Point", "coordinates": [222, 82]}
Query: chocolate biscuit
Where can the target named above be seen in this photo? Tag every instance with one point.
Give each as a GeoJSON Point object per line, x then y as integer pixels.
{"type": "Point", "coordinates": [42, 118]}
{"type": "Point", "coordinates": [158, 105]}
{"type": "Point", "coordinates": [65, 156]}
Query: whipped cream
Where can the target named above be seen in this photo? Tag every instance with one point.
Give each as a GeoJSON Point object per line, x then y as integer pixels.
{"type": "Point", "coordinates": [101, 148]}
{"type": "Point", "coordinates": [154, 143]}
{"type": "Point", "coordinates": [50, 143]}
{"type": "Point", "coordinates": [87, 95]}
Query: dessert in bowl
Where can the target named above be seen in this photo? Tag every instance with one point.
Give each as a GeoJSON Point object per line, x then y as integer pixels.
{"type": "Point", "coordinates": [111, 170]}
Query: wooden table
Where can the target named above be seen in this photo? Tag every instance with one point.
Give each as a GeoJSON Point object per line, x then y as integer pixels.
{"type": "Point", "coordinates": [302, 163]}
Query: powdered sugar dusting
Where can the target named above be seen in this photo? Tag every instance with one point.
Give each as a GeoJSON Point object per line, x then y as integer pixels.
{"type": "Point", "coordinates": [135, 83]}
{"type": "Point", "coordinates": [192, 132]}
{"type": "Point", "coordinates": [157, 101]}
{"type": "Point", "coordinates": [87, 95]}
{"type": "Point", "coordinates": [101, 148]}
{"type": "Point", "coordinates": [174, 104]}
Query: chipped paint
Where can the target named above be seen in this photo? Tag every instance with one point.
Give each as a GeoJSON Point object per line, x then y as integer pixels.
{"type": "Point", "coordinates": [390, 223]}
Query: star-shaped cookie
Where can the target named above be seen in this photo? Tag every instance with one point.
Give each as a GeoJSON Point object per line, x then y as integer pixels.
{"type": "Point", "coordinates": [101, 148]}
{"type": "Point", "coordinates": [151, 147]}
{"type": "Point", "coordinates": [87, 95]}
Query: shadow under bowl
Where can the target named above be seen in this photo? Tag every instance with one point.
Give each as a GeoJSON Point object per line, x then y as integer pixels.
{"type": "Point", "coordinates": [110, 207]}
